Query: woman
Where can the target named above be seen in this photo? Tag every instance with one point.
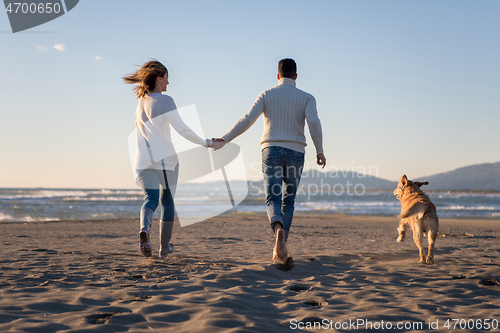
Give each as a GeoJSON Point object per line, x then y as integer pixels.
{"type": "Point", "coordinates": [156, 161]}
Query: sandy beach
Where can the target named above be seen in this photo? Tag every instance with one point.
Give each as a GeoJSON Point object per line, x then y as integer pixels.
{"type": "Point", "coordinates": [88, 276]}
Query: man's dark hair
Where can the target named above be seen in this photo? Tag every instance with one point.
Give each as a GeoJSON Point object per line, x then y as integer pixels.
{"type": "Point", "coordinates": [287, 68]}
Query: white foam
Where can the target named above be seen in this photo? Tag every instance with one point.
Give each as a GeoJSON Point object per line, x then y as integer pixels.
{"type": "Point", "coordinates": [5, 217]}
{"type": "Point", "coordinates": [104, 215]}
{"type": "Point", "coordinates": [68, 194]}
{"type": "Point", "coordinates": [44, 194]}
{"type": "Point", "coordinates": [460, 195]}
{"type": "Point", "coordinates": [30, 219]}
{"type": "Point", "coordinates": [469, 208]}
{"type": "Point", "coordinates": [102, 198]}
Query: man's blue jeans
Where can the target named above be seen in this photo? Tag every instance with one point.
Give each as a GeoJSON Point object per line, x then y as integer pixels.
{"type": "Point", "coordinates": [282, 168]}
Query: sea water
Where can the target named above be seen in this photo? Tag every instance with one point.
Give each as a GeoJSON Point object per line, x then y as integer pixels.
{"type": "Point", "coordinates": [29, 205]}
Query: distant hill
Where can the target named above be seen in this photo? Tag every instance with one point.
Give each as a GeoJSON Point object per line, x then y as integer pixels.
{"type": "Point", "coordinates": [338, 182]}
{"type": "Point", "coordinates": [480, 176]}
{"type": "Point", "coordinates": [346, 178]}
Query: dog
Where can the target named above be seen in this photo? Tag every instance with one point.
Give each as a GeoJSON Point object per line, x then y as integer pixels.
{"type": "Point", "coordinates": [418, 211]}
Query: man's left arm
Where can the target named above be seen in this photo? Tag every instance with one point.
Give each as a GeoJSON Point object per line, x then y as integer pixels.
{"type": "Point", "coordinates": [315, 130]}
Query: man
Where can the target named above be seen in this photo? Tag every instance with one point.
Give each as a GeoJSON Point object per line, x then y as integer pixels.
{"type": "Point", "coordinates": [283, 143]}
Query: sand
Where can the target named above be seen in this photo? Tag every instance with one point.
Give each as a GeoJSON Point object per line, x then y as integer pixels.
{"type": "Point", "coordinates": [88, 276]}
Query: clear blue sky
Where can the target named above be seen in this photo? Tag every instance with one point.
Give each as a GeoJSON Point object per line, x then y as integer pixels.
{"type": "Point", "coordinates": [404, 86]}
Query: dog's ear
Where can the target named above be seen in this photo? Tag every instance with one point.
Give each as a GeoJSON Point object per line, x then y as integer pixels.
{"type": "Point", "coordinates": [419, 184]}
{"type": "Point", "coordinates": [404, 180]}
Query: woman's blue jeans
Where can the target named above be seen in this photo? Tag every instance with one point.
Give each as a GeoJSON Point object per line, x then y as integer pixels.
{"type": "Point", "coordinates": [282, 169]}
{"type": "Point", "coordinates": [159, 188]}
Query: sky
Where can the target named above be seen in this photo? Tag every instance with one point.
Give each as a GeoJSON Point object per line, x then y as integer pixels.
{"type": "Point", "coordinates": [402, 87]}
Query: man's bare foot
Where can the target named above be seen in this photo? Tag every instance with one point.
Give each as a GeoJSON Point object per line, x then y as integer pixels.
{"type": "Point", "coordinates": [280, 252]}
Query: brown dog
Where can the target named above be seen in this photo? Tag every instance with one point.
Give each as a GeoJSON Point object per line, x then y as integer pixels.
{"type": "Point", "coordinates": [418, 211]}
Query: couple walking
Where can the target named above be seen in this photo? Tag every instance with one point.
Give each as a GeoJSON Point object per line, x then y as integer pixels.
{"type": "Point", "coordinates": [285, 109]}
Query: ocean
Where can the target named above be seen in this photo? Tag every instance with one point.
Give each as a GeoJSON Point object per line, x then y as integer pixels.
{"type": "Point", "coordinates": [38, 204]}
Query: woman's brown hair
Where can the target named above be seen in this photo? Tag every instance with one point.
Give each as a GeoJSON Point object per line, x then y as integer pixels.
{"type": "Point", "coordinates": [145, 77]}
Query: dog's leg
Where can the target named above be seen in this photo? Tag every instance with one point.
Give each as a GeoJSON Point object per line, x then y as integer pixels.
{"type": "Point", "coordinates": [402, 230]}
{"type": "Point", "coordinates": [431, 237]}
{"type": "Point", "coordinates": [417, 237]}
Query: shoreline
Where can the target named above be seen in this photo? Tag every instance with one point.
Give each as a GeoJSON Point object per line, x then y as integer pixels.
{"type": "Point", "coordinates": [264, 215]}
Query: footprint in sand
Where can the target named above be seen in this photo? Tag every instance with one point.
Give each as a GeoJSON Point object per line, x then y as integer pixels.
{"type": "Point", "coordinates": [312, 320]}
{"type": "Point", "coordinates": [100, 318]}
{"type": "Point", "coordinates": [285, 266]}
{"type": "Point", "coordinates": [298, 288]}
{"type": "Point", "coordinates": [312, 303]}
{"type": "Point", "coordinates": [487, 281]}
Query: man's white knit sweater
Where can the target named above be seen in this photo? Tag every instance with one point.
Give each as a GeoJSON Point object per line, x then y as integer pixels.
{"type": "Point", "coordinates": [285, 108]}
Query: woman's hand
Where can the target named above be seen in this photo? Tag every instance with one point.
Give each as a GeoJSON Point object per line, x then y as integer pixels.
{"type": "Point", "coordinates": [218, 143]}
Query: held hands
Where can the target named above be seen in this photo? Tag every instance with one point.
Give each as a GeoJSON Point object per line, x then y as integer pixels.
{"type": "Point", "coordinates": [218, 143]}
{"type": "Point", "coordinates": [321, 160]}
